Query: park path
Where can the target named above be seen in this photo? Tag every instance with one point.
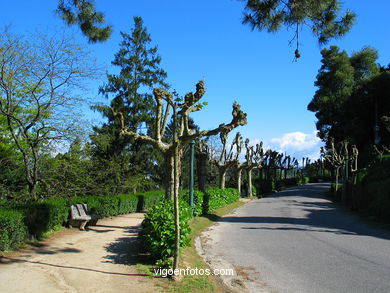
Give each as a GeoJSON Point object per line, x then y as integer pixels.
{"type": "Point", "coordinates": [298, 241]}
{"type": "Point", "coordinates": [101, 259]}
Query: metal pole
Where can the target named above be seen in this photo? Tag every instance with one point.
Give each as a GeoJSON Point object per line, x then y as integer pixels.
{"type": "Point", "coordinates": [345, 183]}
{"type": "Point", "coordinates": [192, 154]}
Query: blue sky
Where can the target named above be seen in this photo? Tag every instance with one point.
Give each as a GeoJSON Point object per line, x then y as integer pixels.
{"type": "Point", "coordinates": [204, 39]}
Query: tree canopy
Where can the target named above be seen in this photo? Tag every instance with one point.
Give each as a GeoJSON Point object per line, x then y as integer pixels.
{"type": "Point", "coordinates": [323, 17]}
{"type": "Point", "coordinates": [351, 97]}
{"type": "Point", "coordinates": [84, 14]}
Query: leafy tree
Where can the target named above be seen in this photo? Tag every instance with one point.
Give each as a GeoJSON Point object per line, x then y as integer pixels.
{"type": "Point", "coordinates": [68, 174]}
{"type": "Point", "coordinates": [323, 17]}
{"type": "Point", "coordinates": [37, 80]}
{"type": "Point", "coordinates": [84, 14]}
{"type": "Point", "coordinates": [335, 82]}
{"type": "Point", "coordinates": [11, 176]}
{"type": "Point", "coordinates": [139, 73]}
{"type": "Point", "coordinates": [352, 95]}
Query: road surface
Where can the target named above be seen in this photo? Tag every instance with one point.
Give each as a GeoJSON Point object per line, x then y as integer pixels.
{"type": "Point", "coordinates": [299, 241]}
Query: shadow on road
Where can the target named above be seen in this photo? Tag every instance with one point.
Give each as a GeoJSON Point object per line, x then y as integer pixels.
{"type": "Point", "coordinates": [321, 215]}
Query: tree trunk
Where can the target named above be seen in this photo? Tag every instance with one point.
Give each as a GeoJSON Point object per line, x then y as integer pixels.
{"type": "Point", "coordinates": [239, 176]}
{"type": "Point", "coordinates": [176, 209]}
{"type": "Point", "coordinates": [250, 182]}
{"type": "Point", "coordinates": [176, 191]}
{"type": "Point", "coordinates": [32, 189]}
{"type": "Point", "coordinates": [222, 177]}
{"type": "Point", "coordinates": [169, 173]}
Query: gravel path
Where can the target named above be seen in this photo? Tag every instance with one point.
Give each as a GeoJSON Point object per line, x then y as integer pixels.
{"type": "Point", "coordinates": [98, 260]}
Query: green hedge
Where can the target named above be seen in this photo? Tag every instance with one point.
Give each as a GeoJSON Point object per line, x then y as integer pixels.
{"type": "Point", "coordinates": [44, 216]}
{"type": "Point", "coordinates": [148, 199]}
{"type": "Point", "coordinates": [35, 219]}
{"type": "Point", "coordinates": [13, 230]}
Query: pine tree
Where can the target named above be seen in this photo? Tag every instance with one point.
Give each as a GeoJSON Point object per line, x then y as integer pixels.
{"type": "Point", "coordinates": [323, 17]}
{"type": "Point", "coordinates": [130, 93]}
{"type": "Point", "coordinates": [84, 14]}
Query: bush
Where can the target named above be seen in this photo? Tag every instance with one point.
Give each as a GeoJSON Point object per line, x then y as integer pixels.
{"type": "Point", "coordinates": [198, 200]}
{"type": "Point", "coordinates": [374, 191]}
{"type": "Point", "coordinates": [302, 180]}
{"type": "Point", "coordinates": [13, 230]}
{"type": "Point", "coordinates": [215, 198]}
{"type": "Point", "coordinates": [158, 230]}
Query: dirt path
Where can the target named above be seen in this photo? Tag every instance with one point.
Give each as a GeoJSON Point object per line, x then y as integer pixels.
{"type": "Point", "coordinates": [101, 259]}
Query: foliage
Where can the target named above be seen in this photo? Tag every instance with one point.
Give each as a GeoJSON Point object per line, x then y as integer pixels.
{"type": "Point", "coordinates": [44, 216]}
{"type": "Point", "coordinates": [38, 81]}
{"type": "Point", "coordinates": [372, 194]}
{"type": "Point", "coordinates": [302, 180]}
{"type": "Point", "coordinates": [215, 198]}
{"type": "Point", "coordinates": [323, 17]}
{"type": "Point", "coordinates": [13, 231]}
{"type": "Point", "coordinates": [128, 162]}
{"type": "Point", "coordinates": [158, 230]}
{"type": "Point", "coordinates": [198, 200]}
{"type": "Point", "coordinates": [84, 14]}
{"type": "Point", "coordinates": [352, 94]}
{"type": "Point", "coordinates": [148, 199]}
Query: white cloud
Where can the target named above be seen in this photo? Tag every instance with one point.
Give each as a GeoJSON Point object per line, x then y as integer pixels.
{"type": "Point", "coordinates": [298, 144]}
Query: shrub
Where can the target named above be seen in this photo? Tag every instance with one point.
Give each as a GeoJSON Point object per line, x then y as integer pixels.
{"type": "Point", "coordinates": [215, 198]}
{"type": "Point", "coordinates": [198, 200]}
{"type": "Point", "coordinates": [13, 230]}
{"type": "Point", "coordinates": [302, 180]}
{"type": "Point", "coordinates": [158, 229]}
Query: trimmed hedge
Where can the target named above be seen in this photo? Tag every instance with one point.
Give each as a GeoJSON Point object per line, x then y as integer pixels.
{"type": "Point", "coordinates": [41, 217]}
{"type": "Point", "coordinates": [13, 231]}
{"type": "Point", "coordinates": [149, 199]}
{"type": "Point", "coordinates": [20, 221]}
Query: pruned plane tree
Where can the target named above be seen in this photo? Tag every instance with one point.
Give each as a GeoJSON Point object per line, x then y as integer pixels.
{"type": "Point", "coordinates": [166, 106]}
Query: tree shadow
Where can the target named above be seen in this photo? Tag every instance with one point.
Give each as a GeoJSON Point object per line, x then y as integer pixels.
{"type": "Point", "coordinates": [127, 250]}
{"type": "Point", "coordinates": [16, 260]}
{"type": "Point", "coordinates": [317, 216]}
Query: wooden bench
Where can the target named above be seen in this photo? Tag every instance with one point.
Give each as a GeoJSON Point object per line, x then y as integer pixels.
{"type": "Point", "coordinates": [79, 216]}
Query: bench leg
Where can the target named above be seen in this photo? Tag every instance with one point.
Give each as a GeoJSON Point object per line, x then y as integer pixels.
{"type": "Point", "coordinates": [82, 225]}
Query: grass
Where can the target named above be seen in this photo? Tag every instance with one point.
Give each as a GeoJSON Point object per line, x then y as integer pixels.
{"type": "Point", "coordinates": [191, 259]}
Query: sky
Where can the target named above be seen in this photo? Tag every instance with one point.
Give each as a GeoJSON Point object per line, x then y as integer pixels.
{"type": "Point", "coordinates": [205, 40]}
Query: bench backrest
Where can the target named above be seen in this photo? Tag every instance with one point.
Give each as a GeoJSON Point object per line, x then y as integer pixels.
{"type": "Point", "coordinates": [78, 210]}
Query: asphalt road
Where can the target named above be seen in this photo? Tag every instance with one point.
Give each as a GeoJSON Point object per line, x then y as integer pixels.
{"type": "Point", "coordinates": [299, 241]}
